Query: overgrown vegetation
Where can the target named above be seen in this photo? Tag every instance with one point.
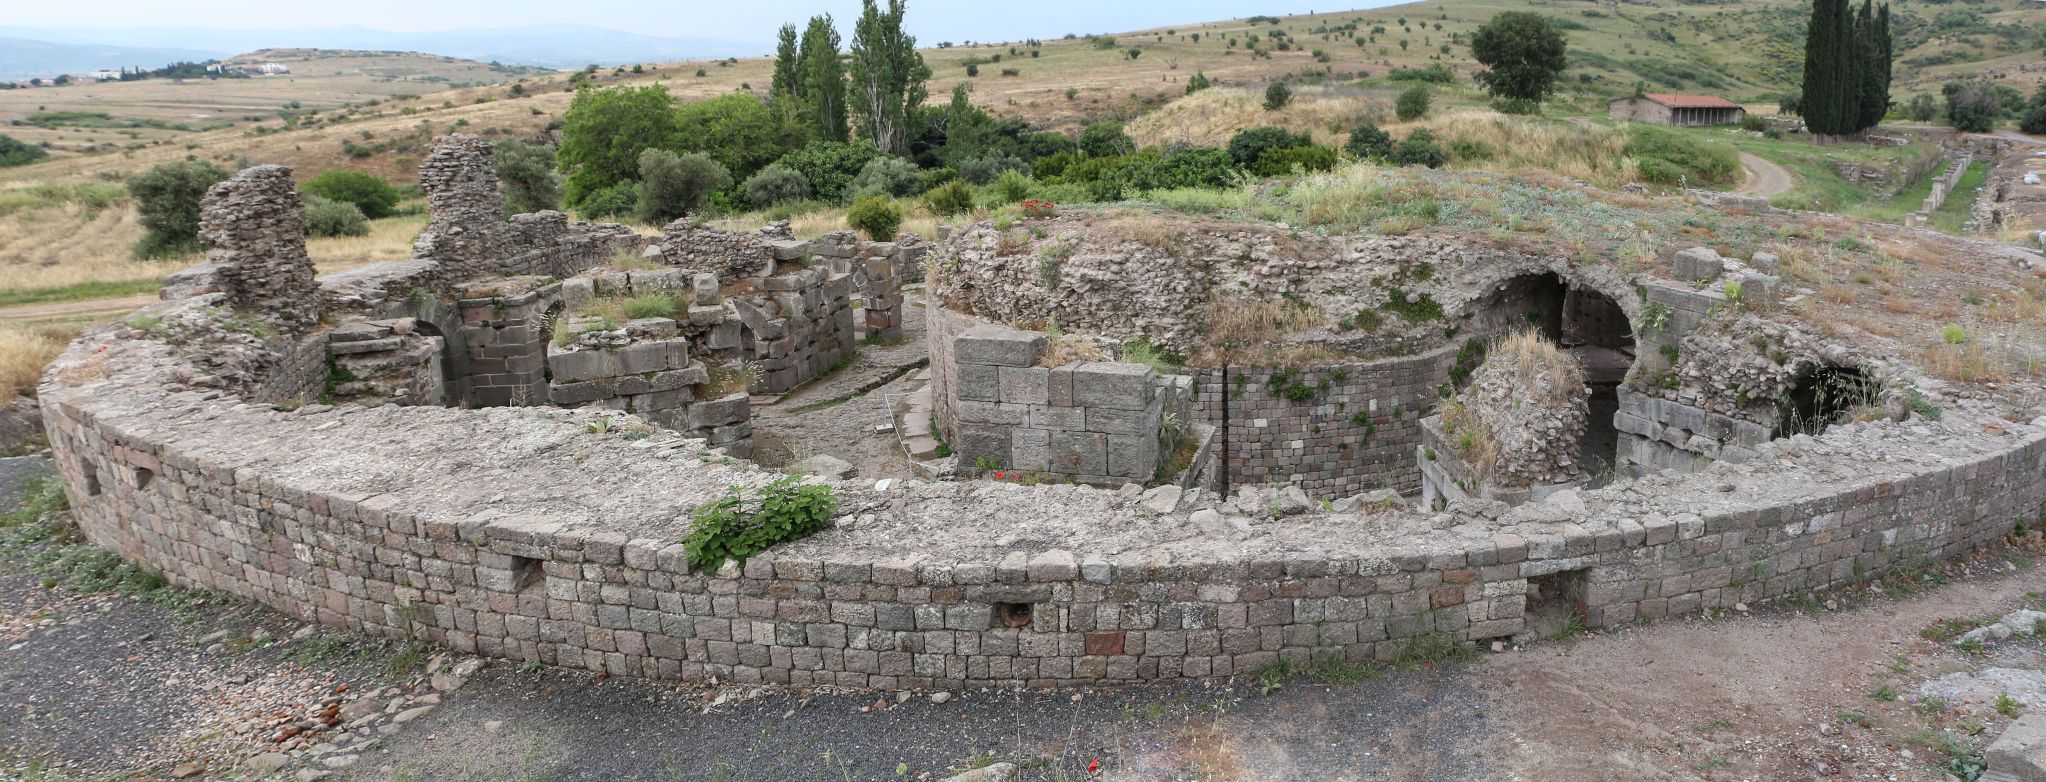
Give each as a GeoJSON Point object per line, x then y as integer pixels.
{"type": "Point", "coordinates": [741, 524]}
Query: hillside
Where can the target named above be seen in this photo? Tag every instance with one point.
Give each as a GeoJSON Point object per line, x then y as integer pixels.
{"type": "Point", "coordinates": [109, 117]}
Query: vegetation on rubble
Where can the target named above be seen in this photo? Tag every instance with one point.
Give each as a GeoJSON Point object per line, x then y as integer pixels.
{"type": "Point", "coordinates": [742, 524]}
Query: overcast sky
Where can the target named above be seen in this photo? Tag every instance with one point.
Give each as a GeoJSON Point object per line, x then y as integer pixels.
{"type": "Point", "coordinates": [746, 20]}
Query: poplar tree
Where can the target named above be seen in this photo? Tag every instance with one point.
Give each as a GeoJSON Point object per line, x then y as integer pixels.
{"type": "Point", "coordinates": [888, 76]}
{"type": "Point", "coordinates": [823, 80]}
{"type": "Point", "coordinates": [787, 83]}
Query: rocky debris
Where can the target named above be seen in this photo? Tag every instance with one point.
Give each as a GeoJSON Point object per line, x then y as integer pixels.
{"type": "Point", "coordinates": [998, 772]}
{"type": "Point", "coordinates": [1979, 690]}
{"type": "Point", "coordinates": [726, 255]}
{"type": "Point", "coordinates": [466, 228]}
{"type": "Point", "coordinates": [1525, 414]}
{"type": "Point", "coordinates": [826, 466]}
{"type": "Point", "coordinates": [2019, 622]}
{"type": "Point", "coordinates": [254, 229]}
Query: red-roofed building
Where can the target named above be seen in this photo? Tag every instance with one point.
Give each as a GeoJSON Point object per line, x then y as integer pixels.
{"type": "Point", "coordinates": [1666, 109]}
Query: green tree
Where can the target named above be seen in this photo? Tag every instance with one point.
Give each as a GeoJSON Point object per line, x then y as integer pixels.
{"type": "Point", "coordinates": [1524, 51]}
{"type": "Point", "coordinates": [368, 192]}
{"type": "Point", "coordinates": [1197, 83]}
{"type": "Point", "coordinates": [168, 198]}
{"type": "Point", "coordinates": [15, 152]}
{"type": "Point", "coordinates": [604, 132]}
{"type": "Point", "coordinates": [776, 185]}
{"type": "Point", "coordinates": [1873, 67]}
{"type": "Point", "coordinates": [526, 178]}
{"type": "Point", "coordinates": [829, 166]}
{"type": "Point", "coordinates": [787, 69]}
{"type": "Point", "coordinates": [1831, 103]}
{"type": "Point", "coordinates": [328, 218]}
{"type": "Point", "coordinates": [672, 185]}
{"type": "Point", "coordinates": [1412, 104]}
{"type": "Point", "coordinates": [1367, 142]}
{"type": "Point", "coordinates": [1972, 107]}
{"type": "Point", "coordinates": [823, 79]}
{"type": "Point", "coordinates": [738, 130]}
{"type": "Point", "coordinates": [1277, 96]}
{"type": "Point", "coordinates": [887, 76]}
{"type": "Point", "coordinates": [1106, 139]}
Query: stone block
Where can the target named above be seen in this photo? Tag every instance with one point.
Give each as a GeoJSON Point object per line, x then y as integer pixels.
{"type": "Point", "coordinates": [704, 289]}
{"type": "Point", "coordinates": [1109, 420]}
{"type": "Point", "coordinates": [579, 365]}
{"type": "Point", "coordinates": [1024, 385]}
{"type": "Point", "coordinates": [1068, 418]}
{"type": "Point", "coordinates": [1112, 385]}
{"type": "Point", "coordinates": [1698, 264]}
{"type": "Point", "coordinates": [720, 412]}
{"type": "Point", "coordinates": [1132, 456]}
{"type": "Point", "coordinates": [2019, 755]}
{"type": "Point", "coordinates": [978, 382]}
{"type": "Point", "coordinates": [1079, 453]}
{"type": "Point", "coordinates": [1058, 390]}
{"type": "Point", "coordinates": [998, 345]}
{"type": "Point", "coordinates": [981, 441]}
{"type": "Point", "coordinates": [991, 413]}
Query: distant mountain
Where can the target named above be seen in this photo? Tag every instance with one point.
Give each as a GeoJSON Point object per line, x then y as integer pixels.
{"type": "Point", "coordinates": [22, 58]}
{"type": "Point", "coordinates": [551, 46]}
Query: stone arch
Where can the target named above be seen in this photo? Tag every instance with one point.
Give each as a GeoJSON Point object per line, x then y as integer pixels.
{"type": "Point", "coordinates": [1591, 318]}
{"type": "Point", "coordinates": [1822, 394]}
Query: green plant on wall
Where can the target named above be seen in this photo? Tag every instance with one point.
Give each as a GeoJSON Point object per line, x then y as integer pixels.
{"type": "Point", "coordinates": [740, 525]}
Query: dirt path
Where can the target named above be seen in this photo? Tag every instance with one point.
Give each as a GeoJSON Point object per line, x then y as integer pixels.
{"type": "Point", "coordinates": [1765, 179]}
{"type": "Point", "coordinates": [1748, 698]}
{"type": "Point", "coordinates": [69, 310]}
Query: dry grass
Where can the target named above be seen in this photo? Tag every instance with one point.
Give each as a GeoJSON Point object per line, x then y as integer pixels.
{"type": "Point", "coordinates": [1252, 331]}
{"type": "Point", "coordinates": [25, 350]}
{"type": "Point", "coordinates": [1538, 366]}
{"type": "Point", "coordinates": [389, 239]}
{"type": "Point", "coordinates": [1209, 117]}
{"type": "Point", "coordinates": [1366, 197]}
{"type": "Point", "coordinates": [1986, 356]}
{"type": "Point", "coordinates": [1471, 438]}
{"type": "Point", "coordinates": [811, 225]}
{"type": "Point", "coordinates": [1073, 349]}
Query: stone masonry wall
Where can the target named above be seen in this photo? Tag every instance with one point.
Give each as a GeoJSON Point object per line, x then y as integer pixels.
{"type": "Point", "coordinates": [254, 229]}
{"type": "Point", "coordinates": [800, 328]}
{"type": "Point", "coordinates": [1357, 432]}
{"type": "Point", "coordinates": [1663, 434]}
{"type": "Point", "coordinates": [507, 341]}
{"type": "Point", "coordinates": [1099, 423]}
{"type": "Point", "coordinates": [259, 504]}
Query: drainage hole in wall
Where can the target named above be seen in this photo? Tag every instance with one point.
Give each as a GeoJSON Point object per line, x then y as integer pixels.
{"type": "Point", "coordinates": [1012, 614]}
{"type": "Point", "coordinates": [143, 476]}
{"type": "Point", "coordinates": [526, 573]}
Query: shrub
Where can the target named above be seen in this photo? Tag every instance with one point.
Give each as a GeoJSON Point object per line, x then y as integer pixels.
{"type": "Point", "coordinates": [368, 192]}
{"type": "Point", "coordinates": [1753, 123]}
{"type": "Point", "coordinates": [1665, 157]}
{"type": "Point", "coordinates": [830, 166]}
{"type": "Point", "coordinates": [168, 197]}
{"type": "Point", "coordinates": [1283, 161]}
{"type": "Point", "coordinates": [326, 217]}
{"type": "Point", "coordinates": [891, 176]}
{"type": "Point", "coordinates": [525, 175]}
{"type": "Point", "coordinates": [2034, 121]}
{"type": "Point", "coordinates": [1972, 108]}
{"type": "Point", "coordinates": [1249, 144]}
{"type": "Point", "coordinates": [1433, 74]}
{"type": "Point", "coordinates": [1277, 96]}
{"type": "Point", "coordinates": [876, 216]}
{"type": "Point", "coordinates": [1106, 139]}
{"type": "Point", "coordinates": [1518, 106]}
{"type": "Point", "coordinates": [952, 198]}
{"type": "Point", "coordinates": [1367, 142]}
{"type": "Point", "coordinates": [1012, 186]}
{"type": "Point", "coordinates": [604, 131]}
{"type": "Point", "coordinates": [1412, 104]}
{"type": "Point", "coordinates": [1419, 149]}
{"type": "Point", "coordinates": [15, 152]}
{"type": "Point", "coordinates": [775, 185]}
{"type": "Point", "coordinates": [1055, 164]}
{"type": "Point", "coordinates": [737, 526]}
{"type": "Point", "coordinates": [652, 305]}
{"type": "Point", "coordinates": [613, 201]}
{"type": "Point", "coordinates": [672, 185]}
{"type": "Point", "coordinates": [1197, 83]}
{"type": "Point", "coordinates": [982, 170]}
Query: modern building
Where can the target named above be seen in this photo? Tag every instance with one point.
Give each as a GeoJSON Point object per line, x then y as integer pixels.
{"type": "Point", "coordinates": [1666, 109]}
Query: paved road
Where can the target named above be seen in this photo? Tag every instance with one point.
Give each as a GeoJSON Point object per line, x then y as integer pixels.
{"type": "Point", "coordinates": [1765, 179]}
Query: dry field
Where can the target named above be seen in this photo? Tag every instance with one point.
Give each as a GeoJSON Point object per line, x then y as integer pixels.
{"type": "Point", "coordinates": [171, 111]}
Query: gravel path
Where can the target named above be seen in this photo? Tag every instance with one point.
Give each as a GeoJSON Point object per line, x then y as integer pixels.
{"type": "Point", "coordinates": [836, 416]}
{"type": "Point", "coordinates": [573, 727]}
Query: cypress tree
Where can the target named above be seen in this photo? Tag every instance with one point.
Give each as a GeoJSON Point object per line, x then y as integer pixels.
{"type": "Point", "coordinates": [1883, 50]}
{"type": "Point", "coordinates": [1831, 94]}
{"type": "Point", "coordinates": [823, 79]}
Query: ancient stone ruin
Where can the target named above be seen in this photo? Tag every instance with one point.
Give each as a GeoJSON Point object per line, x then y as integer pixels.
{"type": "Point", "coordinates": [1155, 447]}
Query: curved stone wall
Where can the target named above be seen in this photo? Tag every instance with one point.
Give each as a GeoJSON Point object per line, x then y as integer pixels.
{"type": "Point", "coordinates": [526, 534]}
